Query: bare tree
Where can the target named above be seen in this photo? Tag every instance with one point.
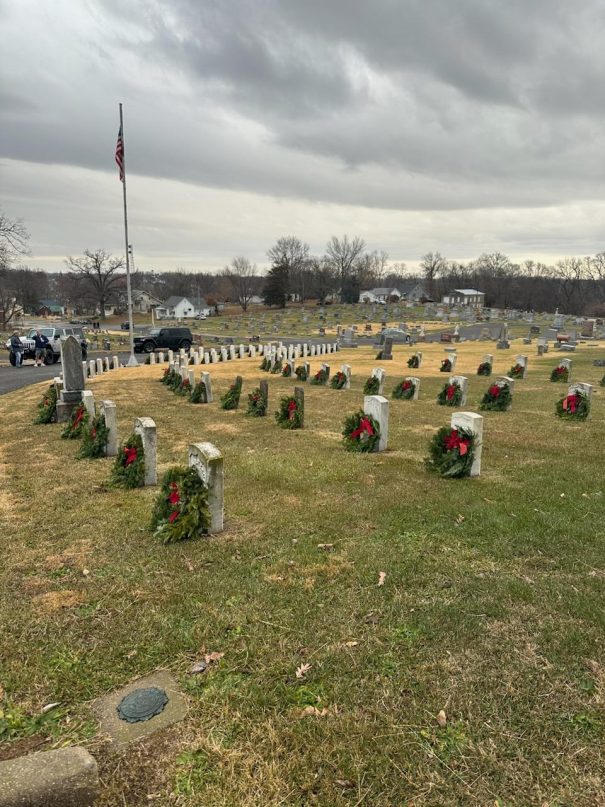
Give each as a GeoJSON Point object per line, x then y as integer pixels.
{"type": "Point", "coordinates": [100, 272]}
{"type": "Point", "coordinates": [342, 254]}
{"type": "Point", "coordinates": [13, 239]}
{"type": "Point", "coordinates": [432, 264]}
{"type": "Point", "coordinates": [241, 275]}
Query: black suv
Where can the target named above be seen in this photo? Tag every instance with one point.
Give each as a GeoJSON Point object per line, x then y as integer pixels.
{"type": "Point", "coordinates": [162, 339]}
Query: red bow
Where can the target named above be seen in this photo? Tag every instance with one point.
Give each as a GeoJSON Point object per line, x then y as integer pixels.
{"type": "Point", "coordinates": [130, 455]}
{"type": "Point", "coordinates": [291, 409]}
{"type": "Point", "coordinates": [454, 441]}
{"type": "Point", "coordinates": [571, 403]}
{"type": "Point", "coordinates": [364, 426]}
{"type": "Point", "coordinates": [494, 391]}
{"type": "Point", "coordinates": [173, 516]}
{"type": "Point", "coordinates": [450, 392]}
{"type": "Point", "coordinates": [406, 385]}
{"type": "Point", "coordinates": [79, 416]}
{"type": "Point", "coordinates": [173, 496]}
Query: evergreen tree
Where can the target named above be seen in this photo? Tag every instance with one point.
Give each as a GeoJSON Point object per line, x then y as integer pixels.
{"type": "Point", "coordinates": [275, 290]}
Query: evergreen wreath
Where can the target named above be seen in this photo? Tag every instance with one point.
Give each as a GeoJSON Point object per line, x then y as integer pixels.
{"type": "Point", "coordinates": [516, 371]}
{"type": "Point", "coordinates": [257, 403]}
{"type": "Point", "coordinates": [287, 371]}
{"type": "Point", "coordinates": [497, 398]}
{"type": "Point", "coordinates": [371, 386]}
{"type": "Point", "coordinates": [451, 452]}
{"type": "Point", "coordinates": [301, 373]}
{"type": "Point", "coordinates": [129, 467]}
{"type": "Point", "coordinates": [602, 382]}
{"type": "Point", "coordinates": [450, 395]}
{"type": "Point", "coordinates": [338, 380]}
{"type": "Point", "coordinates": [414, 362]}
{"type": "Point", "coordinates": [574, 406]}
{"type": "Point", "coordinates": [265, 364]}
{"type": "Point", "coordinates": [446, 366]}
{"type": "Point", "coordinates": [184, 387]}
{"type": "Point", "coordinates": [277, 367]}
{"type": "Point", "coordinates": [404, 391]}
{"type": "Point", "coordinates": [320, 378]}
{"type": "Point", "coordinates": [94, 439]}
{"type": "Point", "coordinates": [167, 375]}
{"type": "Point", "coordinates": [230, 400]}
{"type": "Point", "coordinates": [560, 373]}
{"type": "Point", "coordinates": [485, 368]}
{"type": "Point", "coordinates": [289, 415]}
{"type": "Point", "coordinates": [360, 432]}
{"type": "Point", "coordinates": [75, 425]}
{"type": "Point", "coordinates": [181, 507]}
{"type": "Point", "coordinates": [199, 394]}
{"type": "Point", "coordinates": [47, 408]}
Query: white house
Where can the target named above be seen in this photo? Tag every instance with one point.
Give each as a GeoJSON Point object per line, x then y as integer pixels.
{"type": "Point", "coordinates": [380, 295]}
{"type": "Point", "coordinates": [471, 298]}
{"type": "Point", "coordinates": [176, 308]}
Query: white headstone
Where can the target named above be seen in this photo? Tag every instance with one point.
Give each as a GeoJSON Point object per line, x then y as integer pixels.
{"type": "Point", "coordinates": [462, 382]}
{"type": "Point", "coordinates": [581, 386]}
{"type": "Point", "coordinates": [106, 366]}
{"type": "Point", "coordinates": [161, 357]}
{"type": "Point", "coordinates": [208, 462]}
{"type": "Point", "coordinates": [170, 356]}
{"type": "Point", "coordinates": [145, 428]}
{"type": "Point", "coordinates": [380, 374]}
{"type": "Point", "coordinates": [346, 369]}
{"type": "Point", "coordinates": [99, 366]}
{"type": "Point", "coordinates": [108, 410]}
{"type": "Point", "coordinates": [224, 354]}
{"type": "Point", "coordinates": [377, 407]}
{"type": "Point", "coordinates": [419, 354]}
{"type": "Point", "coordinates": [191, 377]}
{"type": "Point", "coordinates": [115, 362]}
{"type": "Point", "coordinates": [416, 382]}
{"type": "Point", "coordinates": [88, 399]}
{"type": "Point", "coordinates": [208, 384]}
{"type": "Point", "coordinates": [452, 357]}
{"type": "Point", "coordinates": [92, 368]}
{"type": "Point", "coordinates": [504, 379]}
{"type": "Point", "coordinates": [522, 360]}
{"type": "Point", "coordinates": [474, 424]}
{"type": "Point", "coordinates": [152, 358]}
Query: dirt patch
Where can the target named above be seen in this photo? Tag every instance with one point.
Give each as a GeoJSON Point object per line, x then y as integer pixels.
{"type": "Point", "coordinates": [56, 600]}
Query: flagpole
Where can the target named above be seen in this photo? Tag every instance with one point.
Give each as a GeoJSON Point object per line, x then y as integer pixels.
{"type": "Point", "coordinates": [132, 362]}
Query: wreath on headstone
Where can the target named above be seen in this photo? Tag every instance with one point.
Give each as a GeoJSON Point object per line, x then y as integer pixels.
{"type": "Point", "coordinates": [516, 371]}
{"type": "Point", "coordinates": [414, 362]}
{"type": "Point", "coordinates": [361, 432]}
{"type": "Point", "coordinates": [167, 375]}
{"type": "Point", "coordinates": [290, 414]}
{"type": "Point", "coordinates": [94, 439]}
{"type": "Point", "coordinates": [76, 423]}
{"type": "Point", "coordinates": [265, 364]}
{"type": "Point", "coordinates": [47, 408]}
{"type": "Point", "coordinates": [301, 373]}
{"type": "Point", "coordinates": [199, 394]}
{"type": "Point", "coordinates": [230, 400]}
{"type": "Point", "coordinates": [560, 373]}
{"type": "Point", "coordinates": [257, 403]}
{"type": "Point", "coordinates": [451, 452]}
{"type": "Point", "coordinates": [320, 378]}
{"type": "Point", "coordinates": [181, 510]}
{"type": "Point", "coordinates": [446, 366]}
{"type": "Point", "coordinates": [338, 380]}
{"type": "Point", "coordinates": [602, 382]}
{"type": "Point", "coordinates": [371, 386]}
{"type": "Point", "coordinates": [277, 367]}
{"type": "Point", "coordinates": [450, 395]}
{"type": "Point", "coordinates": [485, 368]}
{"type": "Point", "coordinates": [574, 406]}
{"type": "Point", "coordinates": [497, 398]}
{"type": "Point", "coordinates": [129, 467]}
{"type": "Point", "coordinates": [405, 390]}
{"type": "Point", "coordinates": [184, 387]}
{"type": "Point", "coordinates": [287, 371]}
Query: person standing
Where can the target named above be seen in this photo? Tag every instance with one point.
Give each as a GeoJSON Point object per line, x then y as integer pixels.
{"type": "Point", "coordinates": [17, 348]}
{"type": "Point", "coordinates": [40, 343]}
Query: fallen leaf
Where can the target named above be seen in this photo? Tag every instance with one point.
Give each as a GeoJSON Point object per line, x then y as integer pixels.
{"type": "Point", "coordinates": [210, 658]}
{"type": "Point", "coordinates": [313, 711]}
{"type": "Point", "coordinates": [85, 572]}
{"type": "Point", "coordinates": [327, 547]}
{"type": "Point", "coordinates": [346, 783]}
{"type": "Point", "coordinates": [442, 718]}
{"type": "Point", "coordinates": [189, 565]}
{"type": "Point", "coordinates": [303, 670]}
{"type": "Point", "coordinates": [459, 518]}
{"type": "Point", "coordinates": [381, 578]}
{"type": "Point", "coordinates": [352, 643]}
{"type": "Point", "coordinates": [131, 654]}
{"type": "Point", "coordinates": [50, 706]}
{"type": "Point", "coordinates": [591, 665]}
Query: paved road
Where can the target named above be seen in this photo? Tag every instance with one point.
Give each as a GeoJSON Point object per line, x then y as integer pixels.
{"type": "Point", "coordinates": [12, 378]}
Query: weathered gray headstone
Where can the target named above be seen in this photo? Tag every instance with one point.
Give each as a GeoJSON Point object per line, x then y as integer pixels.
{"type": "Point", "coordinates": [64, 777]}
{"type": "Point", "coordinates": [145, 428]}
{"type": "Point", "coordinates": [208, 462]}
{"type": "Point", "coordinates": [208, 384]}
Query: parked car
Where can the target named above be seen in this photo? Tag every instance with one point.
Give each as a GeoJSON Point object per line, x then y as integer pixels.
{"type": "Point", "coordinates": [398, 336]}
{"type": "Point", "coordinates": [163, 339]}
{"type": "Point", "coordinates": [125, 326]}
{"type": "Point", "coordinates": [53, 352]}
{"type": "Point", "coordinates": [200, 316]}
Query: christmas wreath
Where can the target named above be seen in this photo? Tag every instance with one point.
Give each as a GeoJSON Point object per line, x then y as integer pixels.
{"type": "Point", "coordinates": [485, 368]}
{"type": "Point", "coordinates": [129, 467]}
{"type": "Point", "coordinates": [497, 398]}
{"type": "Point", "coordinates": [47, 408]}
{"type": "Point", "coordinates": [450, 395]}
{"type": "Point", "coordinates": [277, 367]}
{"type": "Point", "coordinates": [360, 433]}
{"type": "Point", "coordinates": [199, 394]}
{"type": "Point", "coordinates": [168, 375]}
{"type": "Point", "coordinates": [94, 439]}
{"type": "Point", "coordinates": [230, 400]}
{"type": "Point", "coordinates": [446, 366]}
{"type": "Point", "coordinates": [265, 364]}
{"type": "Point", "coordinates": [181, 508]}
{"type": "Point", "coordinates": [301, 373]}
{"type": "Point", "coordinates": [75, 425]}
{"type": "Point", "coordinates": [414, 362]}
{"type": "Point", "coordinates": [320, 378]}
{"type": "Point", "coordinates": [560, 373]}
{"type": "Point", "coordinates": [574, 406]}
{"type": "Point", "coordinates": [257, 403]}
{"type": "Point", "coordinates": [184, 388]}
{"type": "Point", "coordinates": [371, 386]}
{"type": "Point", "coordinates": [338, 380]}
{"type": "Point", "coordinates": [287, 371]}
{"type": "Point", "coordinates": [404, 391]}
{"type": "Point", "coordinates": [602, 382]}
{"type": "Point", "coordinates": [516, 371]}
{"type": "Point", "coordinates": [289, 415]}
{"type": "Point", "coordinates": [451, 452]}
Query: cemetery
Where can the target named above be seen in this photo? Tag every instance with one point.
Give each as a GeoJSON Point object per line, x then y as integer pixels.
{"type": "Point", "coordinates": [325, 587]}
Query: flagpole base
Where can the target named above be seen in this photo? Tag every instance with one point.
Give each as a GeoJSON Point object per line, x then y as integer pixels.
{"type": "Point", "coordinates": [132, 362]}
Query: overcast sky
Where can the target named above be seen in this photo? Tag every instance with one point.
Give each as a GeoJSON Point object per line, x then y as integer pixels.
{"type": "Point", "coordinates": [462, 126]}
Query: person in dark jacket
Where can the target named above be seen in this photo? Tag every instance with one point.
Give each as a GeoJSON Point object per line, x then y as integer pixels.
{"type": "Point", "coordinates": [40, 343]}
{"type": "Point", "coordinates": [17, 348]}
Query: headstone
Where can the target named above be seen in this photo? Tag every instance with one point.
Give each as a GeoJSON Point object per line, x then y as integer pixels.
{"type": "Point", "coordinates": [588, 328]}
{"type": "Point", "coordinates": [416, 382]}
{"type": "Point", "coordinates": [88, 399]}
{"type": "Point", "coordinates": [377, 407]}
{"type": "Point", "coordinates": [326, 367]}
{"type": "Point", "coordinates": [580, 386]}
{"type": "Point", "coordinates": [170, 356]}
{"type": "Point", "coordinates": [106, 366]}
{"type": "Point", "coordinates": [160, 357]}
{"type": "Point", "coordinates": [453, 357]}
{"type": "Point", "coordinates": [380, 374]}
{"type": "Point", "coordinates": [208, 462]}
{"type": "Point", "coordinates": [73, 378]}
{"type": "Point", "coordinates": [232, 353]}
{"type": "Point", "coordinates": [312, 350]}
{"type": "Point", "coordinates": [63, 777]}
{"type": "Point", "coordinates": [145, 428]}
{"type": "Point", "coordinates": [346, 369]}
{"type": "Point", "coordinates": [108, 410]}
{"type": "Point", "coordinates": [489, 359]}
{"type": "Point", "coordinates": [521, 359]}
{"type": "Point", "coordinates": [299, 397]}
{"type": "Point", "coordinates": [208, 384]}
{"type": "Point", "coordinates": [462, 382]}
{"type": "Point", "coordinates": [473, 423]}
{"type": "Point", "coordinates": [92, 368]}
{"type": "Point", "coordinates": [419, 354]}
{"type": "Point", "coordinates": [99, 366]}
{"type": "Point", "coordinates": [387, 349]}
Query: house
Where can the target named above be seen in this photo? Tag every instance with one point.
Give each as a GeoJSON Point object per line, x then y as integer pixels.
{"type": "Point", "coordinates": [142, 301]}
{"type": "Point", "coordinates": [182, 308]}
{"type": "Point", "coordinates": [414, 292]}
{"type": "Point", "coordinates": [48, 308]}
{"type": "Point", "coordinates": [470, 298]}
{"type": "Point", "coordinates": [380, 295]}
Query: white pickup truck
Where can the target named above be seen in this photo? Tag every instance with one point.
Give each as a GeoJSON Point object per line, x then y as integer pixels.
{"type": "Point", "coordinates": [53, 351]}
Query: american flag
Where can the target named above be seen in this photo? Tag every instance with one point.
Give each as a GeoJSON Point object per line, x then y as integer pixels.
{"type": "Point", "coordinates": [120, 154]}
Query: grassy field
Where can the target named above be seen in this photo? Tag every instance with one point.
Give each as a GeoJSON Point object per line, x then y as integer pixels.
{"type": "Point", "coordinates": [491, 607]}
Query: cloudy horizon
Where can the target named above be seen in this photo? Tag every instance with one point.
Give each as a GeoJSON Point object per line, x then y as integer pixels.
{"type": "Point", "coordinates": [417, 126]}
